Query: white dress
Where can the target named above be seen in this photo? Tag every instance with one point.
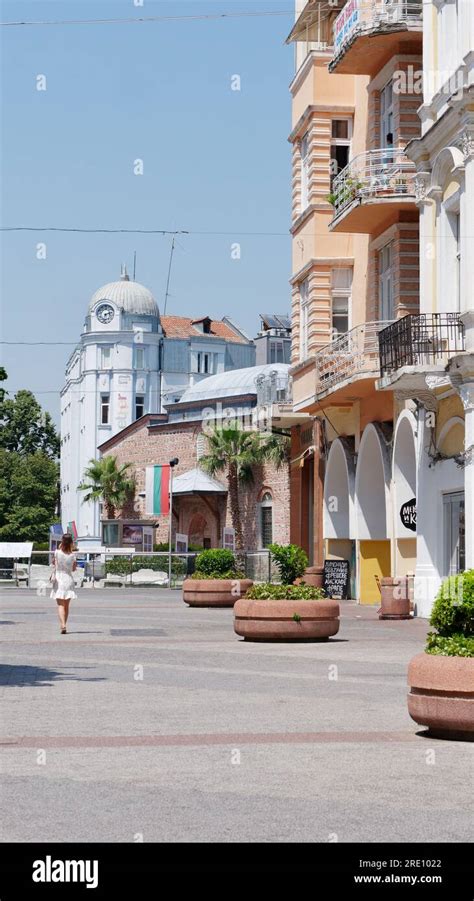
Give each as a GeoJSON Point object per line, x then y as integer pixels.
{"type": "Point", "coordinates": [64, 577]}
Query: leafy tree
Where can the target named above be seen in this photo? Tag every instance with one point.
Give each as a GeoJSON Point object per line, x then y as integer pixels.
{"type": "Point", "coordinates": [237, 452]}
{"type": "Point", "coordinates": [24, 427]}
{"type": "Point", "coordinates": [28, 495]}
{"type": "Point", "coordinates": [103, 479]}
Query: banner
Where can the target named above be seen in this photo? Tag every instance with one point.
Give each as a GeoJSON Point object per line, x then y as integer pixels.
{"type": "Point", "coordinates": [157, 490]}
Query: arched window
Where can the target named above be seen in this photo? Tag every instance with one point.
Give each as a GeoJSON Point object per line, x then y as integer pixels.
{"type": "Point", "coordinates": [265, 513]}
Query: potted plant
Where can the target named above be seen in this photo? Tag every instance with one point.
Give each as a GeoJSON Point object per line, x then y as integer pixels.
{"type": "Point", "coordinates": [441, 679]}
{"type": "Point", "coordinates": [285, 611]}
{"type": "Point", "coordinates": [216, 582]}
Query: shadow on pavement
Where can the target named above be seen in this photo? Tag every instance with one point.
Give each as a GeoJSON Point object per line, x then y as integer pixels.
{"type": "Point", "coordinates": [38, 676]}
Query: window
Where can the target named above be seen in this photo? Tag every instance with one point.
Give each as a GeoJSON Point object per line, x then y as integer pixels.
{"type": "Point", "coordinates": [139, 358]}
{"type": "Point", "coordinates": [204, 363]}
{"type": "Point", "coordinates": [340, 146]}
{"type": "Point", "coordinates": [304, 151]}
{"type": "Point", "coordinates": [105, 357]}
{"type": "Point", "coordinates": [341, 280]}
{"type": "Point", "coordinates": [386, 116]}
{"type": "Point", "coordinates": [104, 409]}
{"type": "Point", "coordinates": [276, 352]}
{"type": "Point", "coordinates": [304, 319]}
{"type": "Point", "coordinates": [148, 541]}
{"type": "Point", "coordinates": [385, 283]}
{"type": "Point", "coordinates": [110, 534]}
{"type": "Point", "coordinates": [139, 406]}
{"type": "Point", "coordinates": [266, 520]}
{"type": "Point", "coordinates": [454, 533]}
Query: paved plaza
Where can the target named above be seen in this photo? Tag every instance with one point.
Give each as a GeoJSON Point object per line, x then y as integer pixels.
{"type": "Point", "coordinates": [153, 721]}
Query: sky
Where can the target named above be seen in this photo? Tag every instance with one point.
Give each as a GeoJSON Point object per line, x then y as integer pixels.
{"type": "Point", "coordinates": [214, 160]}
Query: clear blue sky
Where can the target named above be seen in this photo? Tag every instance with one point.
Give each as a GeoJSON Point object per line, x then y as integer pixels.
{"type": "Point", "coordinates": [214, 160]}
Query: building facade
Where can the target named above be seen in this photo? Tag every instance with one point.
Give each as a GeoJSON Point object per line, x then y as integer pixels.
{"type": "Point", "coordinates": [391, 398]}
{"type": "Point", "coordinates": [200, 503]}
{"type": "Point", "coordinates": [430, 357]}
{"type": "Point", "coordinates": [131, 361]}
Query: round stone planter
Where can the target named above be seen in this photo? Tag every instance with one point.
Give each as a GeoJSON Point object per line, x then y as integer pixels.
{"type": "Point", "coordinates": [286, 620]}
{"type": "Point", "coordinates": [214, 592]}
{"type": "Point", "coordinates": [395, 598]}
{"type": "Point", "coordinates": [313, 575]}
{"type": "Point", "coordinates": [441, 695]}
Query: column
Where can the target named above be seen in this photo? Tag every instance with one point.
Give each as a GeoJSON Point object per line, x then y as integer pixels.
{"type": "Point", "coordinates": [467, 396]}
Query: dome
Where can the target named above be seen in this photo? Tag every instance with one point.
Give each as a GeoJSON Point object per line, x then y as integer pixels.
{"type": "Point", "coordinates": [234, 382]}
{"type": "Point", "coordinates": [132, 297]}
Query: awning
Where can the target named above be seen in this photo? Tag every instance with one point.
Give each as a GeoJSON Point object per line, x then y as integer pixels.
{"type": "Point", "coordinates": [196, 481]}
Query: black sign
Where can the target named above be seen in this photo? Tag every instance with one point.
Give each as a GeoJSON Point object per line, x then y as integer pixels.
{"type": "Point", "coordinates": [336, 578]}
{"type": "Point", "coordinates": [408, 514]}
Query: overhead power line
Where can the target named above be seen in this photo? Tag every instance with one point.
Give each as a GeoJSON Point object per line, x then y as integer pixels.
{"type": "Point", "coordinates": [140, 20]}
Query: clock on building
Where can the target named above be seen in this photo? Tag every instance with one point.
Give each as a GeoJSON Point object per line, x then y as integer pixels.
{"type": "Point", "coordinates": [105, 313]}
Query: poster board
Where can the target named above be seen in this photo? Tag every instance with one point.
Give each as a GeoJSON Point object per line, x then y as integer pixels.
{"type": "Point", "coordinates": [336, 579]}
{"type": "Point", "coordinates": [181, 543]}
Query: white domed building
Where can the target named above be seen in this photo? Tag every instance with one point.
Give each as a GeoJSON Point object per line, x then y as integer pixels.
{"type": "Point", "coordinates": [130, 362]}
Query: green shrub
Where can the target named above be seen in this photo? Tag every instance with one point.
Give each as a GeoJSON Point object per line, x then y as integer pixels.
{"type": "Point", "coordinates": [291, 561]}
{"type": "Point", "coordinates": [452, 646]}
{"type": "Point", "coordinates": [121, 565]}
{"type": "Point", "coordinates": [216, 563]}
{"type": "Point", "coordinates": [270, 591]}
{"type": "Point", "coordinates": [453, 609]}
{"type": "Point", "coordinates": [453, 618]}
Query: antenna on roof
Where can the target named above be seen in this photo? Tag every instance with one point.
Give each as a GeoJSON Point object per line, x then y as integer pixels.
{"type": "Point", "coordinates": [169, 275]}
{"type": "Point", "coordinates": [134, 263]}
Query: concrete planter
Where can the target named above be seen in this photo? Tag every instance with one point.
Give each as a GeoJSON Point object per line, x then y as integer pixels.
{"type": "Point", "coordinates": [313, 575]}
{"type": "Point", "coordinates": [395, 598]}
{"type": "Point", "coordinates": [274, 620]}
{"type": "Point", "coordinates": [442, 695]}
{"type": "Point", "coordinates": [214, 592]}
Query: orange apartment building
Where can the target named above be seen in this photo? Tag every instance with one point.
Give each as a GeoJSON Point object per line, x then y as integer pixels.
{"type": "Point", "coordinates": [355, 270]}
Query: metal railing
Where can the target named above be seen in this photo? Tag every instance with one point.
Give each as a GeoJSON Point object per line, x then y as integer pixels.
{"type": "Point", "coordinates": [420, 339]}
{"type": "Point", "coordinates": [274, 388]}
{"type": "Point", "coordinates": [373, 175]}
{"type": "Point", "coordinates": [364, 16]}
{"type": "Point", "coordinates": [134, 570]}
{"type": "Point", "coordinates": [350, 355]}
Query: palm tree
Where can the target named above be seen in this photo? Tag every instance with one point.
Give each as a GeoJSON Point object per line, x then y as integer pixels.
{"type": "Point", "coordinates": [236, 452]}
{"type": "Point", "coordinates": [103, 479]}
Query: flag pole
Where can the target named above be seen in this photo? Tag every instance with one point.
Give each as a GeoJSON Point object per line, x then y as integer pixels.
{"type": "Point", "coordinates": [174, 462]}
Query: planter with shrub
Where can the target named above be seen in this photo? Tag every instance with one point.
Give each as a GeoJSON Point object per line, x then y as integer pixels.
{"type": "Point", "coordinates": [216, 582]}
{"type": "Point", "coordinates": [441, 679]}
{"type": "Point", "coordinates": [274, 612]}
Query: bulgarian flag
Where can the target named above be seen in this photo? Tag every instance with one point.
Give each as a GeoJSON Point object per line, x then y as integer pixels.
{"type": "Point", "coordinates": [157, 489]}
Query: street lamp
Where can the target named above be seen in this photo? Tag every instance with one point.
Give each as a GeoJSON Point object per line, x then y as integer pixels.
{"type": "Point", "coordinates": [174, 462]}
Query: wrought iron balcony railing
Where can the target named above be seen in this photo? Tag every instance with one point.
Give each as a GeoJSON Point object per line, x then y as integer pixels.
{"type": "Point", "coordinates": [420, 340]}
{"type": "Point", "coordinates": [351, 355]}
{"type": "Point", "coordinates": [371, 176]}
{"type": "Point", "coordinates": [364, 16]}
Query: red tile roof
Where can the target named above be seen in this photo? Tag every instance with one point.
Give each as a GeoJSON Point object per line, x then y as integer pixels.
{"type": "Point", "coordinates": [182, 327]}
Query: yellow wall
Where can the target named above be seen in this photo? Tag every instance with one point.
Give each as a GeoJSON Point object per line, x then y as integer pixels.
{"type": "Point", "coordinates": [374, 557]}
{"type": "Point", "coordinates": [405, 550]}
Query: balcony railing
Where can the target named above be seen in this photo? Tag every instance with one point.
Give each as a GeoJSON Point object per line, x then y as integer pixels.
{"type": "Point", "coordinates": [373, 175]}
{"type": "Point", "coordinates": [351, 355]}
{"type": "Point", "coordinates": [363, 16]}
{"type": "Point", "coordinates": [274, 388]}
{"type": "Point", "coordinates": [420, 340]}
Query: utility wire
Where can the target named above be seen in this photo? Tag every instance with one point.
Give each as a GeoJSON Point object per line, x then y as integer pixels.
{"type": "Point", "coordinates": [140, 20]}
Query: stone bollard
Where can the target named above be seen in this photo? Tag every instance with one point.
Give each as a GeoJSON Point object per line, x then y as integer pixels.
{"type": "Point", "coordinates": [395, 594]}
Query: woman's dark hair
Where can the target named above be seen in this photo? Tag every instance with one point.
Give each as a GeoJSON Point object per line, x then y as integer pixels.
{"type": "Point", "coordinates": [66, 543]}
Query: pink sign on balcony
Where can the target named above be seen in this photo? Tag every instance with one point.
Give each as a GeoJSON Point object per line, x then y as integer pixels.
{"type": "Point", "coordinates": [345, 23]}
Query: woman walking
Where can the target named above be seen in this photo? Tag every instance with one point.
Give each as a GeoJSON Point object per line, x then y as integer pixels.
{"type": "Point", "coordinates": [63, 580]}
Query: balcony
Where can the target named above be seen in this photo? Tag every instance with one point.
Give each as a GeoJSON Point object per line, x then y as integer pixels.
{"type": "Point", "coordinates": [275, 403]}
{"type": "Point", "coordinates": [367, 33]}
{"type": "Point", "coordinates": [368, 193]}
{"type": "Point", "coordinates": [351, 357]}
{"type": "Point", "coordinates": [426, 340]}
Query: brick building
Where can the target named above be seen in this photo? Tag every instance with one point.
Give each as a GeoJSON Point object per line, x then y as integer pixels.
{"type": "Point", "coordinates": [200, 503]}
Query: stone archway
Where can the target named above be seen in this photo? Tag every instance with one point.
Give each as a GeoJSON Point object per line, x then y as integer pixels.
{"type": "Point", "coordinates": [198, 530]}
{"type": "Point", "coordinates": [404, 469]}
{"type": "Point", "coordinates": [372, 507]}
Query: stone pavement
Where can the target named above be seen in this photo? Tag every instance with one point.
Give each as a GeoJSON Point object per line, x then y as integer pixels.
{"type": "Point", "coordinates": [153, 721]}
